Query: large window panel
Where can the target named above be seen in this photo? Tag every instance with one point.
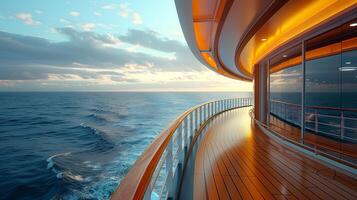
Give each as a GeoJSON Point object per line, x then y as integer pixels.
{"type": "Point", "coordinates": [349, 94]}
{"type": "Point", "coordinates": [285, 93]}
{"type": "Point", "coordinates": [331, 93]}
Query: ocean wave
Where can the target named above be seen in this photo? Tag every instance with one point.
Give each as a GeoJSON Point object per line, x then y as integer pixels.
{"type": "Point", "coordinates": [50, 162]}
{"type": "Point", "coordinates": [97, 117]}
{"type": "Point", "coordinates": [73, 177]}
{"type": "Point", "coordinates": [92, 129]}
{"type": "Point", "coordinates": [116, 113]}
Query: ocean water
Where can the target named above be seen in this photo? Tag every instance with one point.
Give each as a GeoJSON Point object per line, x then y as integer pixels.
{"type": "Point", "coordinates": [80, 145]}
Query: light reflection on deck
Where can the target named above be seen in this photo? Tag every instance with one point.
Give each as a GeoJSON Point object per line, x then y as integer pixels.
{"type": "Point", "coordinates": [235, 160]}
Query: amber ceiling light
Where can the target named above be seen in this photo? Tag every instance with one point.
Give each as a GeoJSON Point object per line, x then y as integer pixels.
{"type": "Point", "coordinates": [292, 20]}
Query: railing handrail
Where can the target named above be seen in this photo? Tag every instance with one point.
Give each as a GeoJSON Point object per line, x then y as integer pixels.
{"type": "Point", "coordinates": [136, 182]}
{"type": "Point", "coordinates": [317, 107]}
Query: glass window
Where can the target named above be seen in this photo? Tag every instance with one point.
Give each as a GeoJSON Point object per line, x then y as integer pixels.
{"type": "Point", "coordinates": [285, 92]}
{"type": "Point", "coordinates": [331, 92]}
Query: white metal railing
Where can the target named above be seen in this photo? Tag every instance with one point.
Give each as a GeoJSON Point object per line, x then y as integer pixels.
{"type": "Point", "coordinates": [338, 123]}
{"type": "Point", "coordinates": [166, 177]}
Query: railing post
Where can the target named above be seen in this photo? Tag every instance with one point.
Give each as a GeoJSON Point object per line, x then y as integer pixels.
{"type": "Point", "coordinates": [204, 113]}
{"type": "Point", "coordinates": [147, 195]}
{"type": "Point", "coordinates": [191, 127]}
{"type": "Point", "coordinates": [208, 111]}
{"type": "Point", "coordinates": [200, 119]}
{"type": "Point", "coordinates": [342, 126]}
{"type": "Point", "coordinates": [214, 108]}
{"type": "Point", "coordinates": [169, 163]}
{"type": "Point", "coordinates": [180, 146]}
{"type": "Point", "coordinates": [196, 119]}
{"type": "Point", "coordinates": [316, 122]}
{"type": "Point", "coordinates": [186, 134]}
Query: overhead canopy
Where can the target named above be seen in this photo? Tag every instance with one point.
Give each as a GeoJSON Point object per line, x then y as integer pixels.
{"type": "Point", "coordinates": [231, 36]}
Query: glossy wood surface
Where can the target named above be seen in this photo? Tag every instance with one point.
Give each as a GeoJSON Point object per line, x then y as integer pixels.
{"type": "Point", "coordinates": [235, 160]}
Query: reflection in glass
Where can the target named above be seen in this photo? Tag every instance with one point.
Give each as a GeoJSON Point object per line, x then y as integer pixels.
{"type": "Point", "coordinates": [331, 93]}
{"type": "Point", "coordinates": [285, 93]}
{"type": "Point", "coordinates": [330, 99]}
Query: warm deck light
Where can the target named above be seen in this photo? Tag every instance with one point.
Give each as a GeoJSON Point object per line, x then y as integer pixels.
{"type": "Point", "coordinates": [284, 26]}
{"type": "Point", "coordinates": [263, 39]}
{"type": "Point", "coordinates": [208, 58]}
{"type": "Point", "coordinates": [284, 56]}
{"type": "Point", "coordinates": [353, 24]}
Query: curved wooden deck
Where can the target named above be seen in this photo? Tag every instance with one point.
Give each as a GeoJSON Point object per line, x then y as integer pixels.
{"type": "Point", "coordinates": [235, 160]}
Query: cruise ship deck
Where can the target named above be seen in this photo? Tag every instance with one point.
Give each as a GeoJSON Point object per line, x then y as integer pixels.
{"type": "Point", "coordinates": [236, 160]}
{"type": "Point", "coordinates": [295, 138]}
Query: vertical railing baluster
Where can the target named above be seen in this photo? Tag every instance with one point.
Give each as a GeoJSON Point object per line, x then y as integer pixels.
{"type": "Point", "coordinates": [316, 122]}
{"type": "Point", "coordinates": [147, 195]}
{"type": "Point", "coordinates": [186, 134]}
{"type": "Point", "coordinates": [196, 119]}
{"type": "Point", "coordinates": [191, 127]}
{"type": "Point", "coordinates": [205, 113]}
{"type": "Point", "coordinates": [209, 110]}
{"type": "Point", "coordinates": [179, 141]}
{"type": "Point", "coordinates": [342, 126]}
{"type": "Point", "coordinates": [200, 116]}
{"type": "Point", "coordinates": [169, 165]}
{"type": "Point", "coordinates": [213, 108]}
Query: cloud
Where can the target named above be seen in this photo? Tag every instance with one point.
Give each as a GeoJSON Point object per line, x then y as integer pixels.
{"type": "Point", "coordinates": [125, 11]}
{"type": "Point", "coordinates": [136, 18]}
{"type": "Point", "coordinates": [88, 26]}
{"type": "Point", "coordinates": [97, 14]}
{"type": "Point", "coordinates": [74, 13]}
{"type": "Point", "coordinates": [109, 7]}
{"type": "Point", "coordinates": [89, 55]}
{"type": "Point", "coordinates": [39, 12]}
{"type": "Point", "coordinates": [27, 18]}
{"type": "Point", "coordinates": [90, 61]}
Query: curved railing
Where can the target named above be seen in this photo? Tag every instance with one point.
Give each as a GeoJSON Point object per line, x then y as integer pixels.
{"type": "Point", "coordinates": [158, 171]}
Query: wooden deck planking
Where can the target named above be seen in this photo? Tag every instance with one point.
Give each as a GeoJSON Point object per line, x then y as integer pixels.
{"type": "Point", "coordinates": [238, 161]}
{"type": "Point", "coordinates": [313, 178]}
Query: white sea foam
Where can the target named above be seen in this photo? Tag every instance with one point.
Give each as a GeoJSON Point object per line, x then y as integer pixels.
{"type": "Point", "coordinates": [50, 162]}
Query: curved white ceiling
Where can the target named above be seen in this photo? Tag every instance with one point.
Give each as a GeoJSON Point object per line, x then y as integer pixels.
{"type": "Point", "coordinates": [241, 15]}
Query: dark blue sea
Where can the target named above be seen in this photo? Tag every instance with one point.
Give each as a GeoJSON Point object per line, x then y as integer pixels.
{"type": "Point", "coordinates": [80, 145]}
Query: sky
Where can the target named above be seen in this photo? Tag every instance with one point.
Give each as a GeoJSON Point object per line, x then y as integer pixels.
{"type": "Point", "coordinates": [88, 45]}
